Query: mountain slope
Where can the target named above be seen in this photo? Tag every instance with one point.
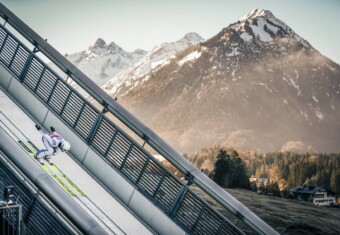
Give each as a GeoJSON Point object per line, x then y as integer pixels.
{"type": "Point", "coordinates": [155, 59]}
{"type": "Point", "coordinates": [255, 85]}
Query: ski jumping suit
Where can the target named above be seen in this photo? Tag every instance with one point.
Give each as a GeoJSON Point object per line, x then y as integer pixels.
{"type": "Point", "coordinates": [52, 143]}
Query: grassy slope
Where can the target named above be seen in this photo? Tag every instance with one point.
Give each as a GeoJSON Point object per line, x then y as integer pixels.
{"type": "Point", "coordinates": [288, 216]}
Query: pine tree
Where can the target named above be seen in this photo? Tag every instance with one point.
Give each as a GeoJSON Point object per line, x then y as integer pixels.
{"type": "Point", "coordinates": [335, 180]}
{"type": "Point", "coordinates": [229, 170]}
{"type": "Point", "coordinates": [221, 168]}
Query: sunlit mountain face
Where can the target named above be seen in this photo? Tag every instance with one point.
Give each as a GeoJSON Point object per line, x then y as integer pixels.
{"type": "Point", "coordinates": [256, 85]}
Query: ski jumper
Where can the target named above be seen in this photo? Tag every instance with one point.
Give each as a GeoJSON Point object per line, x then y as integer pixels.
{"type": "Point", "coordinates": [52, 142]}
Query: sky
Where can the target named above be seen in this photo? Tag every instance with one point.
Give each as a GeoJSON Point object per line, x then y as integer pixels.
{"type": "Point", "coordinates": [73, 25]}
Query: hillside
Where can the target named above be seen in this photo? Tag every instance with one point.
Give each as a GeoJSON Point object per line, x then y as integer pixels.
{"type": "Point", "coordinates": [256, 85]}
{"type": "Point", "coordinates": [288, 217]}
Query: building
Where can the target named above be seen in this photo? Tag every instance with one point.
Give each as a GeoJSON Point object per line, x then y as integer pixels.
{"type": "Point", "coordinates": [320, 196]}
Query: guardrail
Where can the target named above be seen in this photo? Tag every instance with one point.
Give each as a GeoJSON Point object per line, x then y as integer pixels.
{"type": "Point", "coordinates": [121, 151]}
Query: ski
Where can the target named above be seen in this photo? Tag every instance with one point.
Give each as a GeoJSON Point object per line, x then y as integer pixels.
{"type": "Point", "coordinates": [57, 171]}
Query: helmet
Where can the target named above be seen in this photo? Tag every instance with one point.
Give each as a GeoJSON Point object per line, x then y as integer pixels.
{"type": "Point", "coordinates": [65, 146]}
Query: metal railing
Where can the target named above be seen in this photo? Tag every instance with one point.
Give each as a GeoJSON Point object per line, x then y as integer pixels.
{"type": "Point", "coordinates": [10, 219]}
{"type": "Point", "coordinates": [120, 150]}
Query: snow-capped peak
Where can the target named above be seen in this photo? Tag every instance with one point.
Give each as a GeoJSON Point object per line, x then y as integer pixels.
{"type": "Point", "coordinates": [262, 25]}
{"type": "Point", "coordinates": [258, 13]}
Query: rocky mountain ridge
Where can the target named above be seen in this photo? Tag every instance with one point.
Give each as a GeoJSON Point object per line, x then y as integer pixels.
{"type": "Point", "coordinates": [101, 62]}
{"type": "Point", "coordinates": [155, 59]}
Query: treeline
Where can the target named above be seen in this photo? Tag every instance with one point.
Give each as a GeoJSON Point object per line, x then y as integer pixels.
{"type": "Point", "coordinates": [286, 169]}
{"type": "Point", "coordinates": [290, 169]}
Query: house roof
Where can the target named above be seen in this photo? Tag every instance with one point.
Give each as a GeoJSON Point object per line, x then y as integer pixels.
{"type": "Point", "coordinates": [309, 189]}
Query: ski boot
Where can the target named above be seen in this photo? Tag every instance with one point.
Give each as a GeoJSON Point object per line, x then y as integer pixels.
{"type": "Point", "coordinates": [49, 160]}
{"type": "Point", "coordinates": [38, 127]}
{"type": "Point", "coordinates": [41, 161]}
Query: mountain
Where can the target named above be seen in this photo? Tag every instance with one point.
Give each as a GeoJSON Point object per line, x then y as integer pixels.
{"type": "Point", "coordinates": [101, 61]}
{"type": "Point", "coordinates": [255, 85]}
{"type": "Point", "coordinates": [155, 59]}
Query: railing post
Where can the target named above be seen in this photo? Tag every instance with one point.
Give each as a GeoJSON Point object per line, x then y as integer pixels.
{"type": "Point", "coordinates": [177, 202]}
{"type": "Point", "coordinates": [26, 67]}
{"type": "Point", "coordinates": [54, 86]}
{"type": "Point", "coordinates": [220, 227]}
{"type": "Point", "coordinates": [146, 139]}
{"type": "Point", "coordinates": [198, 218]}
{"type": "Point", "coordinates": [96, 125]}
{"type": "Point", "coordinates": [240, 217]}
{"type": "Point", "coordinates": [126, 156]}
{"type": "Point", "coordinates": [6, 20]}
{"type": "Point", "coordinates": [66, 101]}
{"type": "Point", "coordinates": [94, 128]}
{"type": "Point", "coordinates": [39, 81]}
{"type": "Point", "coordinates": [30, 207]}
{"type": "Point", "coordinates": [79, 115]}
{"type": "Point", "coordinates": [159, 184]}
{"type": "Point", "coordinates": [14, 55]}
{"type": "Point", "coordinates": [142, 171]}
{"type": "Point", "coordinates": [111, 143]}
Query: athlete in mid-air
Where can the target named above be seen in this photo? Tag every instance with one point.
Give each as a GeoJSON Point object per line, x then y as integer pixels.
{"type": "Point", "coordinates": [54, 143]}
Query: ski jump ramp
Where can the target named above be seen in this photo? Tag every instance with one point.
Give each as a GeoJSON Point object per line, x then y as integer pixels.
{"type": "Point", "coordinates": [76, 216]}
{"type": "Point", "coordinates": [119, 161]}
{"type": "Point", "coordinates": [81, 187]}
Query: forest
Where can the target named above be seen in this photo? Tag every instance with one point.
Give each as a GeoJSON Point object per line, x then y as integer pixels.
{"type": "Point", "coordinates": [284, 169]}
{"type": "Point", "coordinates": [290, 169]}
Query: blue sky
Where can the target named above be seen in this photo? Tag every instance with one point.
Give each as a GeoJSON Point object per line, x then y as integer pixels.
{"type": "Point", "coordinates": [72, 25]}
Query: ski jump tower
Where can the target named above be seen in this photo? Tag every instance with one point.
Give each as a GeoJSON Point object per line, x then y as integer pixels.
{"type": "Point", "coordinates": [120, 161]}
